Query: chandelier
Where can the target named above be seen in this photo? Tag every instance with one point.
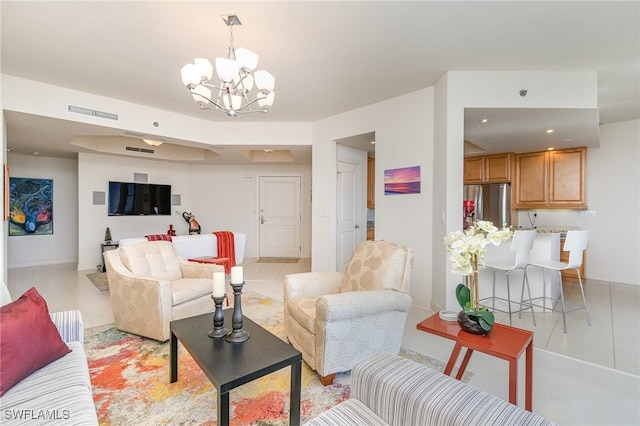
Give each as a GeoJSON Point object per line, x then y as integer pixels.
{"type": "Point", "coordinates": [233, 91]}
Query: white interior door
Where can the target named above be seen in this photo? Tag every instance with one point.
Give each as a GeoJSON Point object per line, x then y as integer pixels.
{"type": "Point", "coordinates": [280, 218]}
{"type": "Point", "coordinates": [349, 232]}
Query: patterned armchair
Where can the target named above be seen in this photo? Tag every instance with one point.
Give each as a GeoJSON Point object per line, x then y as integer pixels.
{"type": "Point", "coordinates": [337, 319]}
{"type": "Point", "coordinates": [151, 285]}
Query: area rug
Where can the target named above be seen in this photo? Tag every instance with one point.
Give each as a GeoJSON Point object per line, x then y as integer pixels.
{"type": "Point", "coordinates": [99, 279]}
{"type": "Point", "coordinates": [130, 378]}
{"type": "Point", "coordinates": [277, 260]}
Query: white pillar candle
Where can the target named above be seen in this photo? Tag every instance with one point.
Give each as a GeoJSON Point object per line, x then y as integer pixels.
{"type": "Point", "coordinates": [218, 284]}
{"type": "Point", "coordinates": [236, 275]}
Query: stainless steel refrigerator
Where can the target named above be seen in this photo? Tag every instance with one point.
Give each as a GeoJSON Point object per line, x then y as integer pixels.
{"type": "Point", "coordinates": [492, 202]}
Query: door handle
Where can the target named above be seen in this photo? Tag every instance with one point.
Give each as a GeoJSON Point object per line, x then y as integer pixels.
{"type": "Point", "coordinates": [357, 226]}
{"type": "Point", "coordinates": [261, 219]}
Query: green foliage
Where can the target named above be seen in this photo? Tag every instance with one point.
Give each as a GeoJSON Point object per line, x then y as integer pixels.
{"type": "Point", "coordinates": [484, 316]}
{"type": "Point", "coordinates": [463, 295]}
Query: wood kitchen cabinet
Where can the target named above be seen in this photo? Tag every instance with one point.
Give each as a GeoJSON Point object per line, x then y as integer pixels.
{"type": "Point", "coordinates": [550, 179]}
{"type": "Point", "coordinates": [488, 169]}
{"type": "Point", "coordinates": [371, 172]}
{"type": "Point", "coordinates": [571, 275]}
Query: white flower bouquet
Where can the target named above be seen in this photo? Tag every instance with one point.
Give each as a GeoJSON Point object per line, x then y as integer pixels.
{"type": "Point", "coordinates": [466, 250]}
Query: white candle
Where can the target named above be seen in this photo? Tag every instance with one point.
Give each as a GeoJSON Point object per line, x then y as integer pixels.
{"type": "Point", "coordinates": [218, 284]}
{"type": "Point", "coordinates": [236, 275]}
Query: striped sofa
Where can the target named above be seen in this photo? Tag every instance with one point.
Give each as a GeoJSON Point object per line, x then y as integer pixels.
{"type": "Point", "coordinates": [390, 390]}
{"type": "Point", "coordinates": [58, 393]}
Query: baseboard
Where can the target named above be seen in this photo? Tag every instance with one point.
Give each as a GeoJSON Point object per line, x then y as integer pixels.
{"type": "Point", "coordinates": [28, 264]}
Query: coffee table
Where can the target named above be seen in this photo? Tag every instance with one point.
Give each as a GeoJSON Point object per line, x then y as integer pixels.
{"type": "Point", "coordinates": [503, 342]}
{"type": "Point", "coordinates": [229, 365]}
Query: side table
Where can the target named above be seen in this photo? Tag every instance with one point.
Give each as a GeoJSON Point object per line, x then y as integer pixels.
{"type": "Point", "coordinates": [503, 342]}
{"type": "Point", "coordinates": [111, 245]}
{"type": "Point", "coordinates": [224, 261]}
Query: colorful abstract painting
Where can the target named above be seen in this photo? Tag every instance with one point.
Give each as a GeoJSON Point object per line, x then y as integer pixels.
{"type": "Point", "coordinates": [402, 181]}
{"type": "Point", "coordinates": [30, 206]}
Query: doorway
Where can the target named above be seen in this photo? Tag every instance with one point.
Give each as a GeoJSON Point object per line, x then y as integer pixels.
{"type": "Point", "coordinates": [351, 217]}
{"type": "Point", "coordinates": [279, 218]}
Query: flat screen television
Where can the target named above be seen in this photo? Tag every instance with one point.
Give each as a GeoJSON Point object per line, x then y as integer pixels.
{"type": "Point", "coordinates": [139, 199]}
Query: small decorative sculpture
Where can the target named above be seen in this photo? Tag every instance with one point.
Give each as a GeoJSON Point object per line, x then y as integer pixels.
{"type": "Point", "coordinates": [107, 235]}
{"type": "Point", "coordinates": [171, 232]}
{"type": "Point", "coordinates": [194, 226]}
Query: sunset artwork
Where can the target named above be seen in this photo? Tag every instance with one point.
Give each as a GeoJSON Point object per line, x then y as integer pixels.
{"type": "Point", "coordinates": [402, 181]}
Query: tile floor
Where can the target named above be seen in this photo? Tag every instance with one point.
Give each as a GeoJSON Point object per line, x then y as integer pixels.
{"type": "Point", "coordinates": [589, 376]}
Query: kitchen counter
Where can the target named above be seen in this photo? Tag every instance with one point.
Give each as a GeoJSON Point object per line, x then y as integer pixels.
{"type": "Point", "coordinates": [556, 229]}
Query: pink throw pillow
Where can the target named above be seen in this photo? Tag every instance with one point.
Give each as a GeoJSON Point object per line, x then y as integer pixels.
{"type": "Point", "coordinates": [28, 339]}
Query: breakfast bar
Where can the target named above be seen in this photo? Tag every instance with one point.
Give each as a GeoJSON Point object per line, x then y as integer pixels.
{"type": "Point", "coordinates": [546, 246]}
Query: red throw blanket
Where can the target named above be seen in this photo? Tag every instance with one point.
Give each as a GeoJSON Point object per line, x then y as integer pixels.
{"type": "Point", "coordinates": [226, 248]}
{"type": "Point", "coordinates": [158, 237]}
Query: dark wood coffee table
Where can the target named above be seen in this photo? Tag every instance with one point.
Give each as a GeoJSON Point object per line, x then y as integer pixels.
{"type": "Point", "coordinates": [229, 365]}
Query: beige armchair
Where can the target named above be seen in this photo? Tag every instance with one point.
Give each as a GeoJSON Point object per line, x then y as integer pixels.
{"type": "Point", "coordinates": [337, 319]}
{"type": "Point", "coordinates": [151, 285]}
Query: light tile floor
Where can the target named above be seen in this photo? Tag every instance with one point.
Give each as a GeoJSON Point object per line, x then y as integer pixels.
{"type": "Point", "coordinates": [589, 376]}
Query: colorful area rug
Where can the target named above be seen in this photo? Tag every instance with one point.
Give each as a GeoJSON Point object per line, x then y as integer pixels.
{"type": "Point", "coordinates": [99, 279]}
{"type": "Point", "coordinates": [130, 378]}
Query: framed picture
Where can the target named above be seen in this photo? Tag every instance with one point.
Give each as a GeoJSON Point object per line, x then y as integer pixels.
{"type": "Point", "coordinates": [402, 181]}
{"type": "Point", "coordinates": [30, 206]}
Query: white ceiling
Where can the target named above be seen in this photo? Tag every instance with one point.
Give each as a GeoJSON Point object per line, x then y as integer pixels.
{"type": "Point", "coordinates": [327, 57]}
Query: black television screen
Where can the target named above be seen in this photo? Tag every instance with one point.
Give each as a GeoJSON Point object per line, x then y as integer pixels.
{"type": "Point", "coordinates": [127, 198]}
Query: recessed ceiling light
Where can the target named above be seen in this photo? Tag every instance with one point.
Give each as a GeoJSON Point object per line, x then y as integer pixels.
{"type": "Point", "coordinates": [550, 149]}
{"type": "Point", "coordinates": [549, 131]}
{"type": "Point", "coordinates": [373, 142]}
{"type": "Point", "coordinates": [484, 120]}
{"type": "Point", "coordinates": [268, 151]}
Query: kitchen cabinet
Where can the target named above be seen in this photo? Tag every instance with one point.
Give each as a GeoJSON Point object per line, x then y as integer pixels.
{"type": "Point", "coordinates": [570, 275]}
{"type": "Point", "coordinates": [488, 169]}
{"type": "Point", "coordinates": [550, 179]}
{"type": "Point", "coordinates": [371, 234]}
{"type": "Point", "coordinates": [371, 172]}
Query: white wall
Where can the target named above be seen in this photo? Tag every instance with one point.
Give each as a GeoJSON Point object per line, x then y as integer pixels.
{"type": "Point", "coordinates": [221, 198]}
{"type": "Point", "coordinates": [404, 138]}
{"type": "Point", "coordinates": [493, 89]}
{"type": "Point", "coordinates": [61, 246]}
{"type": "Point", "coordinates": [613, 193]}
{"type": "Point", "coordinates": [37, 98]}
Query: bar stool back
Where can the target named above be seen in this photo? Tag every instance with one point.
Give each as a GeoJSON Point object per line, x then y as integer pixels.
{"type": "Point", "coordinates": [575, 243]}
{"type": "Point", "coordinates": [521, 244]}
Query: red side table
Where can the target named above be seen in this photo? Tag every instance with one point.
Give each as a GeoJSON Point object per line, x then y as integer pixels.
{"type": "Point", "coordinates": [503, 342]}
{"type": "Point", "coordinates": [224, 261]}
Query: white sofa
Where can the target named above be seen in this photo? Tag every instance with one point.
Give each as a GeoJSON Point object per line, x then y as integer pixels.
{"type": "Point", "coordinates": [58, 393]}
{"type": "Point", "coordinates": [387, 389]}
{"type": "Point", "coordinates": [189, 246]}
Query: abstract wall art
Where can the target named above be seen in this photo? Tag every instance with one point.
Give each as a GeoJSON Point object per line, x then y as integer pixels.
{"type": "Point", "coordinates": [30, 206]}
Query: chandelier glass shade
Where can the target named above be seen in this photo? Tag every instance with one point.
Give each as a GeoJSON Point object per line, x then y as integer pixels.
{"type": "Point", "coordinates": [233, 89]}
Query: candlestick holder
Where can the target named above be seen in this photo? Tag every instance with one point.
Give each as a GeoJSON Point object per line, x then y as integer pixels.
{"type": "Point", "coordinates": [218, 319]}
{"type": "Point", "coordinates": [237, 334]}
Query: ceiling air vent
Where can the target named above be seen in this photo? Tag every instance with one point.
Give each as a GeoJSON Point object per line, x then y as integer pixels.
{"type": "Point", "coordinates": [92, 112]}
{"type": "Point", "coordinates": [136, 149]}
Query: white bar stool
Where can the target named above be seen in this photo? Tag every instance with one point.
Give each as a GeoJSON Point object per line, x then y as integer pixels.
{"type": "Point", "coordinates": [521, 244]}
{"type": "Point", "coordinates": [575, 243]}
